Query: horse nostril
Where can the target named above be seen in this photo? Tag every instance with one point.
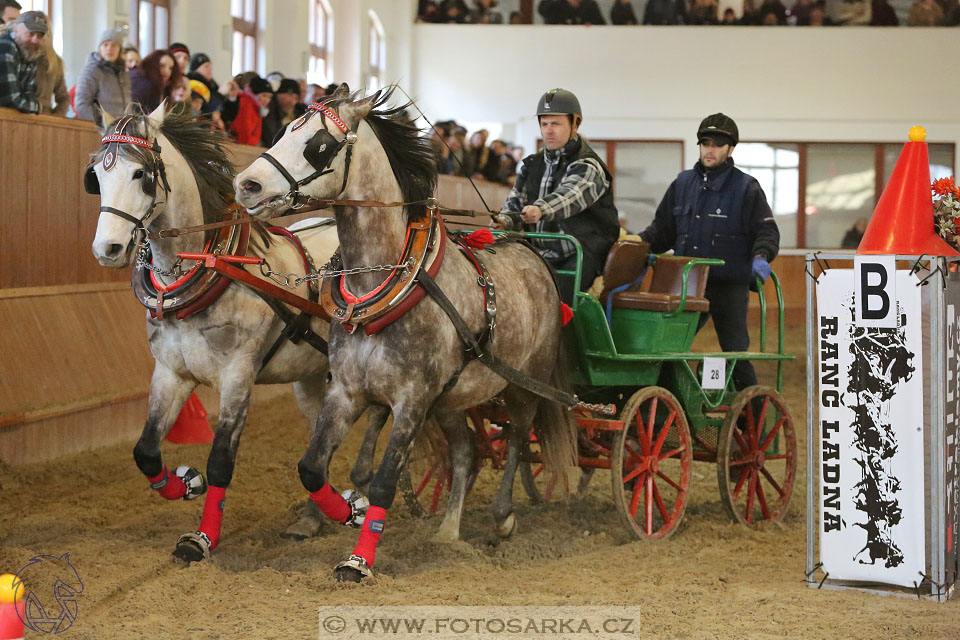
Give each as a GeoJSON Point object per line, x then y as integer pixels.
{"type": "Point", "coordinates": [251, 186]}
{"type": "Point", "coordinates": [114, 250]}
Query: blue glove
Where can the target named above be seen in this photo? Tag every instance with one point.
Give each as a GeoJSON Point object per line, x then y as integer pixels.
{"type": "Point", "coordinates": [761, 268]}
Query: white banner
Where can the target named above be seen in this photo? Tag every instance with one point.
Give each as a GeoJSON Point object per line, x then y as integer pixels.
{"type": "Point", "coordinates": [872, 516]}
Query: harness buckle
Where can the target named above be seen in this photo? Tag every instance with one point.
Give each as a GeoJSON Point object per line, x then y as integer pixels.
{"type": "Point", "coordinates": [351, 137]}
{"type": "Point", "coordinates": [432, 203]}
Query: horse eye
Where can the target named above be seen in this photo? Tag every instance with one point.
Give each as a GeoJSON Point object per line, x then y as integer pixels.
{"type": "Point", "coordinates": [138, 174]}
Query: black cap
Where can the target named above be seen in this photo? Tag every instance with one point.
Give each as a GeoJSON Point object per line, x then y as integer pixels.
{"type": "Point", "coordinates": [289, 85]}
{"type": "Point", "coordinates": [34, 21]}
{"type": "Point", "coordinates": [259, 85]}
{"type": "Point", "coordinates": [178, 46]}
{"type": "Point", "coordinates": [198, 59]}
{"type": "Point", "coordinates": [720, 128]}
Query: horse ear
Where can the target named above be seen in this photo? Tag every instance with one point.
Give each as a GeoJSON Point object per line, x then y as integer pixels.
{"type": "Point", "coordinates": [156, 116]}
{"type": "Point", "coordinates": [352, 113]}
{"type": "Point", "coordinates": [101, 118]}
{"type": "Point", "coordinates": [342, 92]}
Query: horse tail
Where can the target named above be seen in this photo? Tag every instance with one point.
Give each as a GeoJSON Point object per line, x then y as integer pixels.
{"type": "Point", "coordinates": [556, 427]}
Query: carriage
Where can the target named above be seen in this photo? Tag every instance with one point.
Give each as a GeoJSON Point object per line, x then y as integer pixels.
{"type": "Point", "coordinates": [628, 353]}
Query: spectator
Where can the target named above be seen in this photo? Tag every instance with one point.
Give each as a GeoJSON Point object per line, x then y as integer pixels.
{"type": "Point", "coordinates": [666, 12]}
{"type": "Point", "coordinates": [484, 13]}
{"type": "Point", "coordinates": [818, 15]}
{"type": "Point", "coordinates": [453, 12]}
{"type": "Point", "coordinates": [104, 79]}
{"type": "Point", "coordinates": [199, 96]}
{"type": "Point", "coordinates": [571, 12]}
{"type": "Point", "coordinates": [703, 12]}
{"type": "Point", "coordinates": [925, 13]}
{"type": "Point", "coordinates": [284, 109]}
{"type": "Point", "coordinates": [20, 49]}
{"type": "Point", "coordinates": [331, 88]}
{"type": "Point", "coordinates": [253, 103]}
{"type": "Point", "coordinates": [201, 70]}
{"type": "Point", "coordinates": [729, 17]}
{"type": "Point", "coordinates": [775, 7]}
{"type": "Point", "coordinates": [851, 240]}
{"type": "Point", "coordinates": [849, 12]}
{"type": "Point", "coordinates": [9, 11]}
{"type": "Point", "coordinates": [751, 15]}
{"type": "Point", "coordinates": [51, 87]}
{"type": "Point", "coordinates": [883, 15]}
{"type": "Point", "coordinates": [516, 17]}
{"type": "Point", "coordinates": [131, 56]}
{"type": "Point", "coordinates": [152, 82]}
{"type": "Point", "coordinates": [274, 78]}
{"type": "Point", "coordinates": [302, 84]}
{"type": "Point", "coordinates": [181, 54]}
{"type": "Point", "coordinates": [769, 19]}
{"type": "Point", "coordinates": [180, 92]}
{"type": "Point", "coordinates": [495, 169]}
{"type": "Point", "coordinates": [315, 93]}
{"type": "Point", "coordinates": [428, 11]}
{"type": "Point", "coordinates": [230, 98]}
{"type": "Point", "coordinates": [622, 13]}
{"type": "Point", "coordinates": [951, 13]}
{"type": "Point", "coordinates": [800, 13]}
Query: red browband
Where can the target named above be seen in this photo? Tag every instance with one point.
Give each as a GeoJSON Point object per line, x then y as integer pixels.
{"type": "Point", "coordinates": [118, 137]}
{"type": "Point", "coordinates": [316, 106]}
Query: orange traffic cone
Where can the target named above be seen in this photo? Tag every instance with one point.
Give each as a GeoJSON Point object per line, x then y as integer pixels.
{"type": "Point", "coordinates": [191, 426]}
{"type": "Point", "coordinates": [12, 607]}
{"type": "Point", "coordinates": [902, 223]}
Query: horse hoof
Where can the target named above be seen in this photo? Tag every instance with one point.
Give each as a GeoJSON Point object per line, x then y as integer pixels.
{"type": "Point", "coordinates": [353, 570]}
{"type": "Point", "coordinates": [192, 547]}
{"type": "Point", "coordinates": [305, 527]}
{"type": "Point", "coordinates": [194, 481]}
{"type": "Point", "coordinates": [508, 527]}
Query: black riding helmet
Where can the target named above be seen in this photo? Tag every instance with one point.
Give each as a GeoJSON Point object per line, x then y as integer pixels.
{"type": "Point", "coordinates": [559, 102]}
{"type": "Point", "coordinates": [719, 128]}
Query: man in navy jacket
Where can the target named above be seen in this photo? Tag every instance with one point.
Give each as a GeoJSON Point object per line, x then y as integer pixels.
{"type": "Point", "coordinates": [717, 211]}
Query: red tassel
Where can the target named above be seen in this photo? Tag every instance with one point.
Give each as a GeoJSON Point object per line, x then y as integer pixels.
{"type": "Point", "coordinates": [479, 239]}
{"type": "Point", "coordinates": [566, 314]}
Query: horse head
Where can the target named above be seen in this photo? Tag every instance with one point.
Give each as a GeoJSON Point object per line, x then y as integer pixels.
{"type": "Point", "coordinates": [312, 158]}
{"type": "Point", "coordinates": [129, 153]}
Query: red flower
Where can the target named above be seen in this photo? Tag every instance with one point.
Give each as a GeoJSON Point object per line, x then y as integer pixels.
{"type": "Point", "coordinates": [943, 186]}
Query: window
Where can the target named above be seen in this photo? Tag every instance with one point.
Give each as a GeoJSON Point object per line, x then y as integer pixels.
{"type": "Point", "coordinates": [244, 14]}
{"type": "Point", "coordinates": [150, 24]}
{"type": "Point", "coordinates": [320, 70]}
{"type": "Point", "coordinates": [832, 184]}
{"type": "Point", "coordinates": [376, 65]}
{"type": "Point", "coordinates": [35, 5]}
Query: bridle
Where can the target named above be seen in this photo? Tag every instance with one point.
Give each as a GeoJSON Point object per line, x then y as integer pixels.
{"type": "Point", "coordinates": [320, 152]}
{"type": "Point", "coordinates": [153, 169]}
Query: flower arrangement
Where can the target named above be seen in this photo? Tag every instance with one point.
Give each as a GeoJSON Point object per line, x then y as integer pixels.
{"type": "Point", "coordinates": [946, 210]}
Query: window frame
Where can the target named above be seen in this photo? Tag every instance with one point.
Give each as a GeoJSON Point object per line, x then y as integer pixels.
{"type": "Point", "coordinates": [247, 28]}
{"type": "Point", "coordinates": [321, 48]}
{"type": "Point", "coordinates": [376, 34]}
{"type": "Point", "coordinates": [134, 34]}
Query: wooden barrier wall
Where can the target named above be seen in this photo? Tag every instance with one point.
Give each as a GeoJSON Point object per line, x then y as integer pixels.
{"type": "Point", "coordinates": [74, 361]}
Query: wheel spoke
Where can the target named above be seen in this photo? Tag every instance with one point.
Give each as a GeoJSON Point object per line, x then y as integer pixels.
{"type": "Point", "coordinates": [633, 454]}
{"type": "Point", "coordinates": [550, 487]}
{"type": "Point", "coordinates": [635, 499]}
{"type": "Point", "coordinates": [538, 470]}
{"type": "Point", "coordinates": [772, 482]}
{"type": "Point", "coordinates": [746, 473]}
{"type": "Point", "coordinates": [758, 427]}
{"type": "Point", "coordinates": [650, 420]}
{"type": "Point", "coordinates": [660, 506]}
{"type": "Point", "coordinates": [668, 423]}
{"type": "Point", "coordinates": [773, 433]}
{"type": "Point", "coordinates": [633, 474]}
{"type": "Point", "coordinates": [437, 492]}
{"type": "Point", "coordinates": [744, 447]}
{"type": "Point", "coordinates": [781, 456]}
{"type": "Point", "coordinates": [751, 490]}
{"type": "Point", "coordinates": [739, 463]}
{"type": "Point", "coordinates": [670, 482]}
{"type": "Point", "coordinates": [426, 480]}
{"type": "Point", "coordinates": [763, 500]}
{"type": "Point", "coordinates": [670, 454]}
{"type": "Point", "coordinates": [648, 503]}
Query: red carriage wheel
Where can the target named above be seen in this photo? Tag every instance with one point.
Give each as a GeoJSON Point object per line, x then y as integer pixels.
{"type": "Point", "coordinates": [651, 463]}
{"type": "Point", "coordinates": [757, 456]}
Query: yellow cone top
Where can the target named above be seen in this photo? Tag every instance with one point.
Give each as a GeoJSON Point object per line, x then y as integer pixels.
{"type": "Point", "coordinates": [917, 134]}
{"type": "Point", "coordinates": [11, 589]}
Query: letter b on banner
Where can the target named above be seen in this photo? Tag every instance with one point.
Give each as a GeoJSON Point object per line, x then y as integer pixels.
{"type": "Point", "coordinates": [875, 291]}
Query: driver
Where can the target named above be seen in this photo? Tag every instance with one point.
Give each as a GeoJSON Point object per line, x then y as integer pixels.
{"type": "Point", "coordinates": [565, 188]}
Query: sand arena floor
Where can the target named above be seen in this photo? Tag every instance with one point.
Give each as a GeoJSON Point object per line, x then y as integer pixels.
{"type": "Point", "coordinates": [711, 579]}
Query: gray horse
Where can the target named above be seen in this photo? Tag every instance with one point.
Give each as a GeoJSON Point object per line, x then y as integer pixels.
{"type": "Point", "coordinates": [361, 150]}
{"type": "Point", "coordinates": [170, 171]}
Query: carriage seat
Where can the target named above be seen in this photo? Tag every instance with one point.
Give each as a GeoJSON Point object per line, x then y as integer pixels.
{"type": "Point", "coordinates": [627, 260]}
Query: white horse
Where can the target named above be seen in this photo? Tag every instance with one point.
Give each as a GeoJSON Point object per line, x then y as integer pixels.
{"type": "Point", "coordinates": [168, 170]}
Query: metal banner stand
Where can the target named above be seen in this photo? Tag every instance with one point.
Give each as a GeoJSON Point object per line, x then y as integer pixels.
{"type": "Point", "coordinates": [941, 424]}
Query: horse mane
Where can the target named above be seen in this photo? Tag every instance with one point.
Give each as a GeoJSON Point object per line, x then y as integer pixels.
{"type": "Point", "coordinates": [412, 158]}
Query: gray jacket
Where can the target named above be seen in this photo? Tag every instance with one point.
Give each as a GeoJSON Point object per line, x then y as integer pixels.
{"type": "Point", "coordinates": [105, 82]}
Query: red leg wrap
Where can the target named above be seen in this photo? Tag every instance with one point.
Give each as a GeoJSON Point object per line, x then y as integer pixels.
{"type": "Point", "coordinates": [168, 485]}
{"type": "Point", "coordinates": [213, 514]}
{"type": "Point", "coordinates": [370, 534]}
{"type": "Point", "coordinates": [331, 503]}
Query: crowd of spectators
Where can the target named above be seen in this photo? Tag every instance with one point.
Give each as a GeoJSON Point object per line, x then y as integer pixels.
{"type": "Point", "coordinates": [459, 155]}
{"type": "Point", "coordinates": [250, 109]}
{"type": "Point", "coordinates": [878, 13]}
